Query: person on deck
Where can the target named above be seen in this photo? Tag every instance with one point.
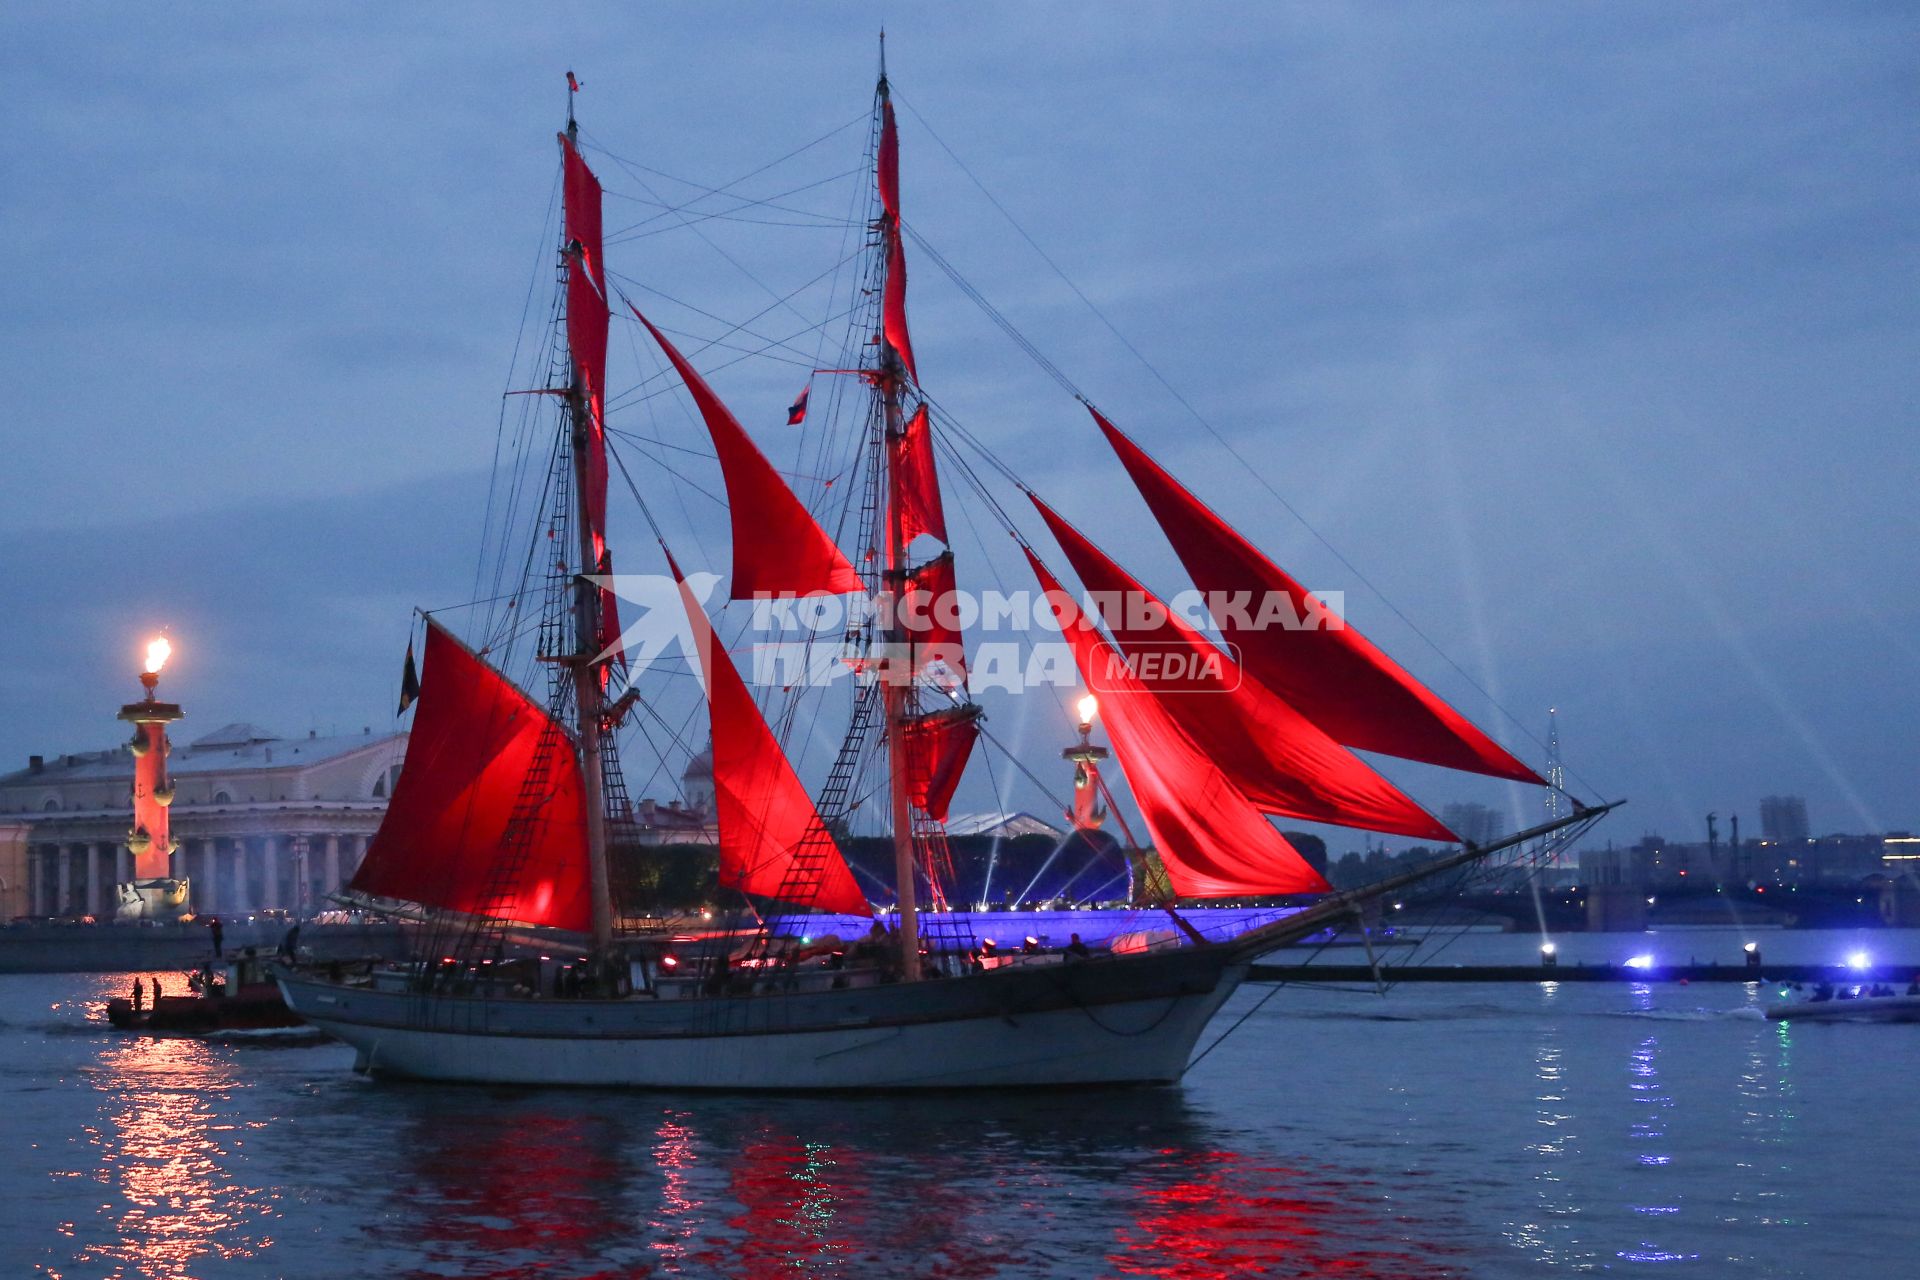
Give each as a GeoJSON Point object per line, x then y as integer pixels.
{"type": "Point", "coordinates": [139, 994]}
{"type": "Point", "coordinates": [289, 944]}
{"type": "Point", "coordinates": [1077, 949]}
{"type": "Point", "coordinates": [214, 928]}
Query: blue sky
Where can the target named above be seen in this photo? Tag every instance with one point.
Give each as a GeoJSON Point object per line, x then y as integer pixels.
{"type": "Point", "coordinates": [1586, 332]}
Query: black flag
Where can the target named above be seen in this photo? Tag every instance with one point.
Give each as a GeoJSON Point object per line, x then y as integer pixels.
{"type": "Point", "coordinates": [409, 682]}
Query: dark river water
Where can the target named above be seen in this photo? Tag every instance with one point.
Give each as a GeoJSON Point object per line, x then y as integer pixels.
{"type": "Point", "coordinates": [1441, 1130]}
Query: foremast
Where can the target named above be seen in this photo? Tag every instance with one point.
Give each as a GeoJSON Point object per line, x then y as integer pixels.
{"type": "Point", "coordinates": [589, 696]}
{"type": "Point", "coordinates": [897, 672]}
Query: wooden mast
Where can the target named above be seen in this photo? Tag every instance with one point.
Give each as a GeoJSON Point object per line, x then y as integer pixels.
{"type": "Point", "coordinates": [587, 694]}
{"type": "Point", "coordinates": [896, 671]}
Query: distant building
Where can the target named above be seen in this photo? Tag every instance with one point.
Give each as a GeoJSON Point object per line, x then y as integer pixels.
{"type": "Point", "coordinates": [1784, 819]}
{"type": "Point", "coordinates": [1476, 823]}
{"type": "Point", "coordinates": [13, 870]}
{"type": "Point", "coordinates": [260, 821]}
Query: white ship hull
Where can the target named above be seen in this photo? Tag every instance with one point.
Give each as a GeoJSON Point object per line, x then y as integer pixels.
{"type": "Point", "coordinates": [1062, 1025]}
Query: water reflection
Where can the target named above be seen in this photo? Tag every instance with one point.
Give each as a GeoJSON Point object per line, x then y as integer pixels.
{"type": "Point", "coordinates": [1647, 1136]}
{"type": "Point", "coordinates": [1554, 1141]}
{"type": "Point", "coordinates": [1128, 1183]}
{"type": "Point", "coordinates": [161, 1149]}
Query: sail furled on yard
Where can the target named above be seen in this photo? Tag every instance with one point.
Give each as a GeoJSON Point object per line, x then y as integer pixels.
{"type": "Point", "coordinates": [587, 321]}
{"type": "Point", "coordinates": [893, 299]}
{"type": "Point", "coordinates": [1282, 762]}
{"type": "Point", "coordinates": [1333, 675]}
{"type": "Point", "coordinates": [464, 831]}
{"type": "Point", "coordinates": [1212, 839]}
{"type": "Point", "coordinates": [778, 547]}
{"type": "Point", "coordinates": [773, 843]}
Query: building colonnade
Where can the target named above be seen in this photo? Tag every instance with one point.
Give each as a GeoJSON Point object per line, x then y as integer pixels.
{"type": "Point", "coordinates": [233, 874]}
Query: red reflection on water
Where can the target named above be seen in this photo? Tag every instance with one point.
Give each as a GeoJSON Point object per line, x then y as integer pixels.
{"type": "Point", "coordinates": [525, 1189]}
{"type": "Point", "coordinates": [162, 1152]}
{"type": "Point", "coordinates": [794, 1211]}
{"type": "Point", "coordinates": [1213, 1215]}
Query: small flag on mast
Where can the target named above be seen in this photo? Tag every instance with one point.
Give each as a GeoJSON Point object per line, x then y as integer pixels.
{"type": "Point", "coordinates": [409, 682]}
{"type": "Point", "coordinates": [573, 86]}
{"type": "Point", "coordinates": [797, 411]}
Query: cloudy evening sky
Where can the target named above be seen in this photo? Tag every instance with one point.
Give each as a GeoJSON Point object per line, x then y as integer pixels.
{"type": "Point", "coordinates": [1587, 332]}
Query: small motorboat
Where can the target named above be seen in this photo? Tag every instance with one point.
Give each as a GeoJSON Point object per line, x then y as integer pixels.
{"type": "Point", "coordinates": [1848, 1002]}
{"type": "Point", "coordinates": [237, 993]}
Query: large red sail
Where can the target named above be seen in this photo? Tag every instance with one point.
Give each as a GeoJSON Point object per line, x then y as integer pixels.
{"type": "Point", "coordinates": [475, 738]}
{"type": "Point", "coordinates": [1336, 677]}
{"type": "Point", "coordinates": [587, 319]}
{"type": "Point", "coordinates": [778, 548]}
{"type": "Point", "coordinates": [1212, 839]}
{"type": "Point", "coordinates": [772, 841]}
{"type": "Point", "coordinates": [1283, 763]}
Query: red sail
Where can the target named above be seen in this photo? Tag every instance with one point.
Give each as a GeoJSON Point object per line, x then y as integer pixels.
{"type": "Point", "coordinates": [937, 748]}
{"type": "Point", "coordinates": [916, 486]}
{"type": "Point", "coordinates": [930, 620]}
{"type": "Point", "coordinates": [1283, 763]}
{"type": "Point", "coordinates": [772, 841]}
{"type": "Point", "coordinates": [1212, 840]}
{"type": "Point", "coordinates": [1337, 678]}
{"type": "Point", "coordinates": [778, 548]}
{"type": "Point", "coordinates": [893, 299]}
{"type": "Point", "coordinates": [475, 738]}
{"type": "Point", "coordinates": [893, 309]}
{"type": "Point", "coordinates": [587, 317]}
{"type": "Point", "coordinates": [888, 169]}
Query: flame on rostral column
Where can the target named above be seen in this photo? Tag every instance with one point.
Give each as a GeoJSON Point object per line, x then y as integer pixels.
{"type": "Point", "coordinates": [158, 651]}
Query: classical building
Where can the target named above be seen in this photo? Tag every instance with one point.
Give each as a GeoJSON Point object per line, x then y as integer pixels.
{"type": "Point", "coordinates": [261, 822]}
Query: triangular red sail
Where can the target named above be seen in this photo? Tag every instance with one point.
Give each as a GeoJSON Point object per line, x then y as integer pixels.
{"type": "Point", "coordinates": [1337, 678]}
{"type": "Point", "coordinates": [916, 486]}
{"type": "Point", "coordinates": [772, 841]}
{"type": "Point", "coordinates": [475, 738]}
{"type": "Point", "coordinates": [1212, 840]}
{"type": "Point", "coordinates": [778, 548]}
{"type": "Point", "coordinates": [937, 747]}
{"type": "Point", "coordinates": [930, 620]}
{"type": "Point", "coordinates": [1283, 763]}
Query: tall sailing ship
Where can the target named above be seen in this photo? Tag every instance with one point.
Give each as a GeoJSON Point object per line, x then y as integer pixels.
{"type": "Point", "coordinates": [510, 821]}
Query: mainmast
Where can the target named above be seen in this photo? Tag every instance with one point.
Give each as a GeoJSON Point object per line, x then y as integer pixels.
{"type": "Point", "coordinates": [897, 672]}
{"type": "Point", "coordinates": [588, 694]}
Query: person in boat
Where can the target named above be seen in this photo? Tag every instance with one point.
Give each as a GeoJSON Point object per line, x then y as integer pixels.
{"type": "Point", "coordinates": [1077, 949]}
{"type": "Point", "coordinates": [156, 991]}
{"type": "Point", "coordinates": [290, 944]}
{"type": "Point", "coordinates": [217, 932]}
{"type": "Point", "coordinates": [139, 994]}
